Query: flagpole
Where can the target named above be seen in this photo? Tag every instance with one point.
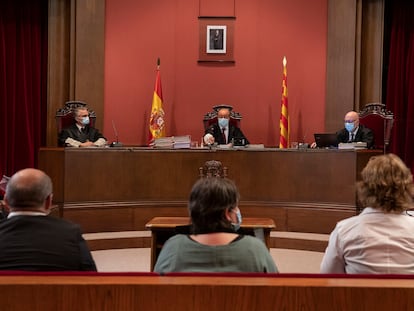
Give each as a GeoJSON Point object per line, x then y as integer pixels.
{"type": "Point", "coordinates": [157, 117]}
{"type": "Point", "coordinates": [284, 112]}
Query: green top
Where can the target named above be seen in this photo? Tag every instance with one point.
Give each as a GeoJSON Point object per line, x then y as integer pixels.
{"type": "Point", "coordinates": [246, 254]}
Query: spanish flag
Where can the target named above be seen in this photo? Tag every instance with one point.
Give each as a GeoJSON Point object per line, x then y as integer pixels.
{"type": "Point", "coordinates": [284, 113]}
{"type": "Point", "coordinates": [157, 121]}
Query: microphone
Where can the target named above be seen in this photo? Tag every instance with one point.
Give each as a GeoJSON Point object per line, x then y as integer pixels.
{"type": "Point", "coordinates": [117, 143]}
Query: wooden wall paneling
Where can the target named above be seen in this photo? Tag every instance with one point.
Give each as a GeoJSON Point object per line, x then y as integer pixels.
{"type": "Point", "coordinates": [150, 174]}
{"type": "Point", "coordinates": [52, 161]}
{"type": "Point", "coordinates": [316, 220]}
{"type": "Point", "coordinates": [58, 63]}
{"type": "Point", "coordinates": [340, 63]}
{"type": "Point", "coordinates": [89, 47]}
{"type": "Point", "coordinates": [124, 188]}
{"type": "Point", "coordinates": [76, 58]}
{"type": "Point", "coordinates": [120, 216]}
{"type": "Point", "coordinates": [371, 52]}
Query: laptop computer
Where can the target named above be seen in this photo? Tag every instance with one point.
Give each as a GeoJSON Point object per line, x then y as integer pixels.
{"type": "Point", "coordinates": [326, 140]}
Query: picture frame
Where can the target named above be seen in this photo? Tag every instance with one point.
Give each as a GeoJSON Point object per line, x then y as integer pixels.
{"type": "Point", "coordinates": [216, 39]}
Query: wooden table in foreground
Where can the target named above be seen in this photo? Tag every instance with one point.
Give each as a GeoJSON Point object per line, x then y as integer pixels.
{"type": "Point", "coordinates": [162, 228]}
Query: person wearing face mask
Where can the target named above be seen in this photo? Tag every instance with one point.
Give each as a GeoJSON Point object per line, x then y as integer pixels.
{"type": "Point", "coordinates": [223, 132]}
{"type": "Point", "coordinates": [30, 240]}
{"type": "Point", "coordinates": [214, 245]}
{"type": "Point", "coordinates": [80, 134]}
{"type": "Point", "coordinates": [355, 132]}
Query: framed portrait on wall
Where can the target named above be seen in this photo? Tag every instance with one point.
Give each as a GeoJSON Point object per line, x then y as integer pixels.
{"type": "Point", "coordinates": [216, 39]}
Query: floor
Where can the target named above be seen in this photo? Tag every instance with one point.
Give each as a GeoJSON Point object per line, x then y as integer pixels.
{"type": "Point", "coordinates": [138, 260]}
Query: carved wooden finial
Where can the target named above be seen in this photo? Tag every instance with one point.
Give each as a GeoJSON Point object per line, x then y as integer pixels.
{"type": "Point", "coordinates": [213, 168]}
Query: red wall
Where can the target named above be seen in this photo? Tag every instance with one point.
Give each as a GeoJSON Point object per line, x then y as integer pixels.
{"type": "Point", "coordinates": [138, 32]}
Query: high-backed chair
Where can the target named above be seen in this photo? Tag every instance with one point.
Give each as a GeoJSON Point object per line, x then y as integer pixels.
{"type": "Point", "coordinates": [380, 120]}
{"type": "Point", "coordinates": [211, 117]}
{"type": "Point", "coordinates": [3, 184]}
{"type": "Point", "coordinates": [64, 116]}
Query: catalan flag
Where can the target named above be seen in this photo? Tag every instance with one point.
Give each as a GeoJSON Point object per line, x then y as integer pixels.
{"type": "Point", "coordinates": [284, 113]}
{"type": "Point", "coordinates": [157, 121]}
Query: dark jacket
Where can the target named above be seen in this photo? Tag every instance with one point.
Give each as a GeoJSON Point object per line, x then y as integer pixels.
{"type": "Point", "coordinates": [91, 134]}
{"type": "Point", "coordinates": [363, 134]}
{"type": "Point", "coordinates": [43, 243]}
{"type": "Point", "coordinates": [234, 133]}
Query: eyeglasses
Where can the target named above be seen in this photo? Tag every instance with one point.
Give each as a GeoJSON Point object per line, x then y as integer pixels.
{"type": "Point", "coordinates": [350, 121]}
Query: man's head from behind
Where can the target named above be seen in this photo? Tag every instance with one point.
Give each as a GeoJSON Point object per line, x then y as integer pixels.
{"type": "Point", "coordinates": [29, 189]}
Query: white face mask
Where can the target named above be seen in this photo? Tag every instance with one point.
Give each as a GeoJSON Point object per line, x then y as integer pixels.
{"type": "Point", "coordinates": [223, 122]}
{"type": "Point", "coordinates": [85, 120]}
{"type": "Point", "coordinates": [236, 226]}
{"type": "Point", "coordinates": [349, 126]}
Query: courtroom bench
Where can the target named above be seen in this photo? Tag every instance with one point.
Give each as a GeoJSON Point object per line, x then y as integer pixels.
{"type": "Point", "coordinates": [196, 291]}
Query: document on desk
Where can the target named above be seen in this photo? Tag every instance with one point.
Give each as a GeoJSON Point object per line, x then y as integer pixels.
{"type": "Point", "coordinates": [356, 145]}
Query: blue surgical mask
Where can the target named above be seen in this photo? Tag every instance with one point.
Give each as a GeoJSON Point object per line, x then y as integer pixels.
{"type": "Point", "coordinates": [236, 226]}
{"type": "Point", "coordinates": [85, 120]}
{"type": "Point", "coordinates": [223, 122]}
{"type": "Point", "coordinates": [349, 126]}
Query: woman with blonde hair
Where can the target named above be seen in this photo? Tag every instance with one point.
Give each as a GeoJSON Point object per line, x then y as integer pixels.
{"type": "Point", "coordinates": [381, 238]}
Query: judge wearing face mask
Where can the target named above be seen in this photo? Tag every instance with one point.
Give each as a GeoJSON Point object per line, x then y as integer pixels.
{"type": "Point", "coordinates": [355, 132]}
{"type": "Point", "coordinates": [214, 244]}
{"type": "Point", "coordinates": [223, 132]}
{"type": "Point", "coordinates": [80, 134]}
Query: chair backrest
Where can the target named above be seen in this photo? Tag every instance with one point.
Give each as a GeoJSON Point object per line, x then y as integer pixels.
{"type": "Point", "coordinates": [64, 116]}
{"type": "Point", "coordinates": [210, 118]}
{"type": "Point", "coordinates": [213, 168]}
{"type": "Point", "coordinates": [3, 185]}
{"type": "Point", "coordinates": [380, 120]}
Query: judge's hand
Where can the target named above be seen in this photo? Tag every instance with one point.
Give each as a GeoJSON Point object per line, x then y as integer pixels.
{"type": "Point", "coordinates": [86, 144]}
{"type": "Point", "coordinates": [208, 139]}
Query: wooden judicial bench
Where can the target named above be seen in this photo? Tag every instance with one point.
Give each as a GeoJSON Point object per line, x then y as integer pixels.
{"type": "Point", "coordinates": [211, 292]}
{"type": "Point", "coordinates": [121, 189]}
{"type": "Point", "coordinates": [162, 228]}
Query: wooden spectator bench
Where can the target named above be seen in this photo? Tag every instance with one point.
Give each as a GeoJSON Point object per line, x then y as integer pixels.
{"type": "Point", "coordinates": [150, 291]}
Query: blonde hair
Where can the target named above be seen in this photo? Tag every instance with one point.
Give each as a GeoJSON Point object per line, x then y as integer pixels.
{"type": "Point", "coordinates": [386, 184]}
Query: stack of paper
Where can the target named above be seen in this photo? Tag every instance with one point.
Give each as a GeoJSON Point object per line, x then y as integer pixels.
{"type": "Point", "coordinates": [181, 142]}
{"type": "Point", "coordinates": [358, 145]}
{"type": "Point", "coordinates": [173, 142]}
{"type": "Point", "coordinates": [164, 142]}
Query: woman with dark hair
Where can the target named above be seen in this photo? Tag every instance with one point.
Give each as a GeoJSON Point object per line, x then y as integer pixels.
{"type": "Point", "coordinates": [381, 238]}
{"type": "Point", "coordinates": [214, 245]}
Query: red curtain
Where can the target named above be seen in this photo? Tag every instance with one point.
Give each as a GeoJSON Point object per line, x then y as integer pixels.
{"type": "Point", "coordinates": [23, 82]}
{"type": "Point", "coordinates": [400, 80]}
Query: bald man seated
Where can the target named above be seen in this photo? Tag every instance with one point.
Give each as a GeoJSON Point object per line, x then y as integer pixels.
{"type": "Point", "coordinates": [30, 240]}
{"type": "Point", "coordinates": [223, 132]}
{"type": "Point", "coordinates": [355, 132]}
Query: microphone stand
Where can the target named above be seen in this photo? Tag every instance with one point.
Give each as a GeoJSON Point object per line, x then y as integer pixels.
{"type": "Point", "coordinates": [117, 143]}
